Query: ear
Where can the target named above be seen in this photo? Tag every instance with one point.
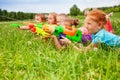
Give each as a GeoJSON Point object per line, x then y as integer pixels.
{"type": "Point", "coordinates": [100, 25]}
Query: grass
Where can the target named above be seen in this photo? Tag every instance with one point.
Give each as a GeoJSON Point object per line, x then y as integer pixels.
{"type": "Point", "coordinates": [24, 56]}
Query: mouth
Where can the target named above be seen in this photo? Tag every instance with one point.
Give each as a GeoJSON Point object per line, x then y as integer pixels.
{"type": "Point", "coordinates": [88, 30]}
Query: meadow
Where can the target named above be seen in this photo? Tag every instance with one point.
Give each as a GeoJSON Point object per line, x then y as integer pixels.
{"type": "Point", "coordinates": [24, 56]}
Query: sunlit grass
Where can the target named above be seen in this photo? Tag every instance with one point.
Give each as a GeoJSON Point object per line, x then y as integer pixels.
{"type": "Point", "coordinates": [24, 56]}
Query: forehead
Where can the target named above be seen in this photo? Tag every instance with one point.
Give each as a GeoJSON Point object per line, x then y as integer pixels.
{"type": "Point", "coordinates": [89, 19]}
{"type": "Point", "coordinates": [38, 16]}
{"type": "Point", "coordinates": [58, 19]}
{"type": "Point", "coordinates": [50, 16]}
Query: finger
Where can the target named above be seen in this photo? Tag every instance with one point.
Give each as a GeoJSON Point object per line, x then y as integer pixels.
{"type": "Point", "coordinates": [63, 36]}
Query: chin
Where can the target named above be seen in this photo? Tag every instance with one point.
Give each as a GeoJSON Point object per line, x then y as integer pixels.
{"type": "Point", "coordinates": [89, 32]}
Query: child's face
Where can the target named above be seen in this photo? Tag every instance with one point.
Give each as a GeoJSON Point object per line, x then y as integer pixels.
{"type": "Point", "coordinates": [58, 20]}
{"type": "Point", "coordinates": [51, 19]}
{"type": "Point", "coordinates": [38, 19]}
{"type": "Point", "coordinates": [92, 26]}
{"type": "Point", "coordinates": [66, 23]}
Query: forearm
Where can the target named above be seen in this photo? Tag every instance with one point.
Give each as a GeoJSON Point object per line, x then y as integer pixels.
{"type": "Point", "coordinates": [57, 44]}
{"type": "Point", "coordinates": [24, 27]}
{"type": "Point", "coordinates": [72, 45]}
{"type": "Point", "coordinates": [91, 47]}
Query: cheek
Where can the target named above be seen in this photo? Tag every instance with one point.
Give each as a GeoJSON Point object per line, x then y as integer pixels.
{"type": "Point", "coordinates": [91, 27]}
{"type": "Point", "coordinates": [58, 23]}
{"type": "Point", "coordinates": [52, 20]}
{"type": "Point", "coordinates": [49, 21]}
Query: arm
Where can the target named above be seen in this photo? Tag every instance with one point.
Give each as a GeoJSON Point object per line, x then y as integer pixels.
{"type": "Point", "coordinates": [83, 49]}
{"type": "Point", "coordinates": [19, 26]}
{"type": "Point", "coordinates": [24, 28]}
{"type": "Point", "coordinates": [91, 46]}
{"type": "Point", "coordinates": [57, 44]}
{"type": "Point", "coordinates": [67, 41]}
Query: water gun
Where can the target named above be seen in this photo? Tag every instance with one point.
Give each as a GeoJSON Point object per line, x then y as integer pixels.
{"type": "Point", "coordinates": [77, 37]}
{"type": "Point", "coordinates": [18, 25]}
{"type": "Point", "coordinates": [71, 33]}
{"type": "Point", "coordinates": [37, 28]}
{"type": "Point", "coordinates": [44, 30]}
{"type": "Point", "coordinates": [15, 25]}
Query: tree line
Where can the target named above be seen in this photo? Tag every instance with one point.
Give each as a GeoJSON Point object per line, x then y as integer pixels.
{"type": "Point", "coordinates": [13, 16]}
{"type": "Point", "coordinates": [111, 9]}
{"type": "Point", "coordinates": [75, 11]}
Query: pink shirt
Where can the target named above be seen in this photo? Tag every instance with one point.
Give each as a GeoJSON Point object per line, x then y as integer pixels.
{"type": "Point", "coordinates": [84, 30]}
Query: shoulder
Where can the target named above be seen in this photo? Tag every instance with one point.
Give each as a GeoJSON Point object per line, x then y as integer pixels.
{"type": "Point", "coordinates": [99, 36]}
{"type": "Point", "coordinates": [99, 33]}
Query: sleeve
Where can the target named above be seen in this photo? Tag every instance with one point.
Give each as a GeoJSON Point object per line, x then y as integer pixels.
{"type": "Point", "coordinates": [96, 39]}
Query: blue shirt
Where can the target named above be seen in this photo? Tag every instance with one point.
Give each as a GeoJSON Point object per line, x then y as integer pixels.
{"type": "Point", "coordinates": [106, 37]}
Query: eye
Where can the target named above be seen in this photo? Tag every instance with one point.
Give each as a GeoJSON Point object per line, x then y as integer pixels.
{"type": "Point", "coordinates": [89, 23]}
{"type": "Point", "coordinates": [57, 21]}
{"type": "Point", "coordinates": [37, 19]}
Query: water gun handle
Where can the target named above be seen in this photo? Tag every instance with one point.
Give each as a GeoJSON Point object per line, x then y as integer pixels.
{"type": "Point", "coordinates": [76, 38]}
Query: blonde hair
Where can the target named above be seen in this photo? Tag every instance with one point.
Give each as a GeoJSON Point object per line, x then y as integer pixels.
{"type": "Point", "coordinates": [54, 15]}
{"type": "Point", "coordinates": [62, 15]}
{"type": "Point", "coordinates": [42, 16]}
{"type": "Point", "coordinates": [67, 22]}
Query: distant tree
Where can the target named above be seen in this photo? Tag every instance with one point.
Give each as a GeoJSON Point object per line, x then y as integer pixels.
{"type": "Point", "coordinates": [12, 15]}
{"type": "Point", "coordinates": [32, 16]}
{"type": "Point", "coordinates": [4, 15]}
{"type": "Point", "coordinates": [74, 10]}
{"type": "Point", "coordinates": [111, 9]}
{"type": "Point", "coordinates": [20, 15]}
{"type": "Point", "coordinates": [0, 15]}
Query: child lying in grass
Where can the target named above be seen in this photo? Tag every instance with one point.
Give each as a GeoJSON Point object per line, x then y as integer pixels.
{"type": "Point", "coordinates": [76, 37]}
{"type": "Point", "coordinates": [39, 18]}
{"type": "Point", "coordinates": [94, 22]}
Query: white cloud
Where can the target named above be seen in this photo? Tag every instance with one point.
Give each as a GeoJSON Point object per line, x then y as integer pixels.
{"type": "Point", "coordinates": [39, 8]}
{"type": "Point", "coordinates": [61, 6]}
{"type": "Point", "coordinates": [21, 0]}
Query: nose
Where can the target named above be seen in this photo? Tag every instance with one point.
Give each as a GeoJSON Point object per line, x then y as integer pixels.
{"type": "Point", "coordinates": [85, 25]}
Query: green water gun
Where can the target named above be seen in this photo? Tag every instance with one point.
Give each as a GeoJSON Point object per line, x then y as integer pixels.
{"type": "Point", "coordinates": [58, 30]}
{"type": "Point", "coordinates": [74, 35]}
{"type": "Point", "coordinates": [15, 25]}
{"type": "Point", "coordinates": [39, 25]}
{"type": "Point", "coordinates": [76, 38]}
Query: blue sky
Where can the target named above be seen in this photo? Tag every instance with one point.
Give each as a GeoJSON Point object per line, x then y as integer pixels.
{"type": "Point", "coordinates": [46, 6]}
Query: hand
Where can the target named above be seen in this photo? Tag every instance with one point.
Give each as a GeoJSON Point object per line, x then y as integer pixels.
{"type": "Point", "coordinates": [51, 36]}
{"type": "Point", "coordinates": [65, 40]}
